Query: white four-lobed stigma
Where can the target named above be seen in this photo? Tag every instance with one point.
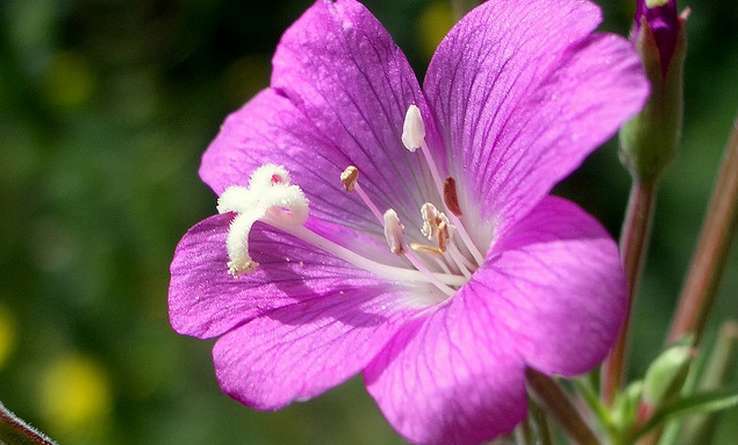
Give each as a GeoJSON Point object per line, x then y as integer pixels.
{"type": "Point", "coordinates": [269, 175]}
{"type": "Point", "coordinates": [270, 197]}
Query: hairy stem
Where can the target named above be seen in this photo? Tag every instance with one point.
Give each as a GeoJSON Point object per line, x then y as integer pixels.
{"type": "Point", "coordinates": [633, 247]}
{"type": "Point", "coordinates": [560, 407]}
{"type": "Point", "coordinates": [708, 260]}
{"type": "Point", "coordinates": [16, 431]}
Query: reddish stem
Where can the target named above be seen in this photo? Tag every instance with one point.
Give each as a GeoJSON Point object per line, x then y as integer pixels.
{"type": "Point", "coordinates": [633, 247]}
{"type": "Point", "coordinates": [15, 430]}
{"type": "Point", "coordinates": [709, 257]}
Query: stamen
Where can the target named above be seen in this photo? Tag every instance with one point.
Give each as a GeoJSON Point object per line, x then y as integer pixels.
{"type": "Point", "coordinates": [350, 181]}
{"type": "Point", "coordinates": [441, 263]}
{"type": "Point", "coordinates": [434, 252]}
{"type": "Point", "coordinates": [450, 198]}
{"type": "Point", "coordinates": [388, 272]}
{"type": "Point", "coordinates": [415, 261]}
{"type": "Point", "coordinates": [413, 129]}
{"type": "Point", "coordinates": [435, 225]}
{"type": "Point", "coordinates": [413, 134]}
{"type": "Point", "coordinates": [444, 233]}
{"type": "Point", "coordinates": [272, 199]}
{"type": "Point", "coordinates": [349, 178]}
{"type": "Point", "coordinates": [461, 258]}
{"type": "Point", "coordinates": [461, 262]}
{"type": "Point", "coordinates": [393, 230]}
{"type": "Point", "coordinates": [429, 213]}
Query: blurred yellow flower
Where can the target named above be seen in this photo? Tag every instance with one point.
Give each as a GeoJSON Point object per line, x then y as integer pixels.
{"type": "Point", "coordinates": [7, 335]}
{"type": "Point", "coordinates": [75, 394]}
{"type": "Point", "coordinates": [434, 23]}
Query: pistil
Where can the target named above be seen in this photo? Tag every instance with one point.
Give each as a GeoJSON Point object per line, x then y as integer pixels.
{"type": "Point", "coordinates": [271, 198]}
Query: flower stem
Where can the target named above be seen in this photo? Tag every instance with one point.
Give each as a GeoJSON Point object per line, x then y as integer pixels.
{"type": "Point", "coordinates": [559, 406]}
{"type": "Point", "coordinates": [633, 247]}
{"type": "Point", "coordinates": [712, 249]}
{"type": "Point", "coordinates": [17, 431]}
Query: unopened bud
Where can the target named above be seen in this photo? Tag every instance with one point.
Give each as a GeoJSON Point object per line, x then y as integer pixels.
{"type": "Point", "coordinates": [648, 141]}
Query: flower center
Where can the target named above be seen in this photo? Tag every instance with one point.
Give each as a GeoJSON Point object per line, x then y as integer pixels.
{"type": "Point", "coordinates": [445, 262]}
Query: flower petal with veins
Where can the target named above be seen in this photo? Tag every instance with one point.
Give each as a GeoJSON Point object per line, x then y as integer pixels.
{"type": "Point", "coordinates": [516, 96]}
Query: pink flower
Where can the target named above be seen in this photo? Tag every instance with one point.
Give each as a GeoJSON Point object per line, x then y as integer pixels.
{"type": "Point", "coordinates": [348, 250]}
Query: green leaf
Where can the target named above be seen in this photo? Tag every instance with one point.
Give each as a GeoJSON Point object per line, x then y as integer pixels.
{"type": "Point", "coordinates": [700, 403]}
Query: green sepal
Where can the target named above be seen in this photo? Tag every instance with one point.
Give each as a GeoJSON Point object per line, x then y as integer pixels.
{"type": "Point", "coordinates": [667, 374]}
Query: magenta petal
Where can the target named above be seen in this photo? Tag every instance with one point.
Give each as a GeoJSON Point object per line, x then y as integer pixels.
{"type": "Point", "coordinates": [206, 301]}
{"type": "Point", "coordinates": [452, 378]}
{"type": "Point", "coordinates": [341, 69]}
{"type": "Point", "coordinates": [523, 94]}
{"type": "Point", "coordinates": [299, 351]}
{"type": "Point", "coordinates": [269, 129]}
{"type": "Point", "coordinates": [556, 282]}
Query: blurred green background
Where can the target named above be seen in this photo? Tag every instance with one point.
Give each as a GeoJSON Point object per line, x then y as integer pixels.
{"type": "Point", "coordinates": [106, 108]}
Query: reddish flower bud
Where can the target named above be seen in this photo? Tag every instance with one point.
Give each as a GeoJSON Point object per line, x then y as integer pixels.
{"type": "Point", "coordinates": [663, 21]}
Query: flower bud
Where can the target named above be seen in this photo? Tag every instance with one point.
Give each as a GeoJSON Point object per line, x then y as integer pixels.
{"type": "Point", "coordinates": [666, 375]}
{"type": "Point", "coordinates": [649, 140]}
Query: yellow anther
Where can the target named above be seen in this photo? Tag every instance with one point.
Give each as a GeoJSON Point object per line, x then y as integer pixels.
{"type": "Point", "coordinates": [349, 177]}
